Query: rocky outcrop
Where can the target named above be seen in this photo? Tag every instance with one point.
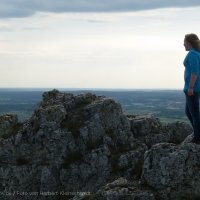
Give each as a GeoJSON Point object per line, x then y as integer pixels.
{"type": "Point", "coordinates": [173, 170]}
{"type": "Point", "coordinates": [151, 131]}
{"type": "Point", "coordinates": [123, 189]}
{"type": "Point", "coordinates": [84, 147]}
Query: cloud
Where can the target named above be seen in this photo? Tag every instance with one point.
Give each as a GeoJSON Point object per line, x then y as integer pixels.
{"type": "Point", "coordinates": [23, 8]}
{"type": "Point", "coordinates": [5, 27]}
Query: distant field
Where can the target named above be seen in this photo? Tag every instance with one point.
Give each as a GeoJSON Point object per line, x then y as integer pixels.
{"type": "Point", "coordinates": [168, 105]}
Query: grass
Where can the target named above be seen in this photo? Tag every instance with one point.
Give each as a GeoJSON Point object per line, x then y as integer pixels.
{"type": "Point", "coordinates": [76, 118]}
{"type": "Point", "coordinates": [74, 121]}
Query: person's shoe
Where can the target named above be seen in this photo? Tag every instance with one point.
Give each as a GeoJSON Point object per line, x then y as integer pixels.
{"type": "Point", "coordinates": [195, 141]}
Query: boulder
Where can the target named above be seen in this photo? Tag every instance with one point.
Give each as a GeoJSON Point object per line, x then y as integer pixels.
{"type": "Point", "coordinates": [173, 170]}
{"type": "Point", "coordinates": [149, 130]}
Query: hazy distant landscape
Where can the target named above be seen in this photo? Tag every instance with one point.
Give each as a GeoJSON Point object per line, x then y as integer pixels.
{"type": "Point", "coordinates": [168, 105]}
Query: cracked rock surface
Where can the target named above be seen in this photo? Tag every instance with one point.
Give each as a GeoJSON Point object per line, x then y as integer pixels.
{"type": "Point", "coordinates": [85, 143]}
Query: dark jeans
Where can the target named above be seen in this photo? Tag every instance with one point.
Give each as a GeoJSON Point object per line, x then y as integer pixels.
{"type": "Point", "coordinates": [192, 112]}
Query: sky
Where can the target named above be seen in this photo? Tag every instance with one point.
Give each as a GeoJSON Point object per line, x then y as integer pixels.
{"type": "Point", "coordinates": [119, 44]}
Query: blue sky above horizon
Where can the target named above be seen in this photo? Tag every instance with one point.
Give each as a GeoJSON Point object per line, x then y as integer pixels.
{"type": "Point", "coordinates": [95, 44]}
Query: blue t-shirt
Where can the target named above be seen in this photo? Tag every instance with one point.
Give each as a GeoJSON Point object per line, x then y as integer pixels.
{"type": "Point", "coordinates": [192, 65]}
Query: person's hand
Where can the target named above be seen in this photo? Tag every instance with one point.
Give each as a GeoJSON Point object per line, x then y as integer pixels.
{"type": "Point", "coordinates": [190, 92]}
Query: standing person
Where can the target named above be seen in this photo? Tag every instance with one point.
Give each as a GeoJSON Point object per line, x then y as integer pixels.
{"type": "Point", "coordinates": [192, 83]}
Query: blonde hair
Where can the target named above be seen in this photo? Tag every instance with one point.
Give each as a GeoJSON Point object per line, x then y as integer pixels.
{"type": "Point", "coordinates": [193, 40]}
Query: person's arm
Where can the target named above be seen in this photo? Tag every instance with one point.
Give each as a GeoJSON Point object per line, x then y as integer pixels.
{"type": "Point", "coordinates": [194, 66]}
{"type": "Point", "coordinates": [193, 79]}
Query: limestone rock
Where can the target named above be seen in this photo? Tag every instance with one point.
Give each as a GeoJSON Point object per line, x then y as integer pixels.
{"type": "Point", "coordinates": [173, 170]}
{"type": "Point", "coordinates": [119, 189]}
{"type": "Point", "coordinates": [151, 131]}
{"type": "Point", "coordinates": [70, 143]}
{"type": "Point", "coordinates": [86, 143]}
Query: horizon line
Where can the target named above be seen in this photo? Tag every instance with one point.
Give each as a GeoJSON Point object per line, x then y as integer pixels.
{"type": "Point", "coordinates": [77, 88]}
